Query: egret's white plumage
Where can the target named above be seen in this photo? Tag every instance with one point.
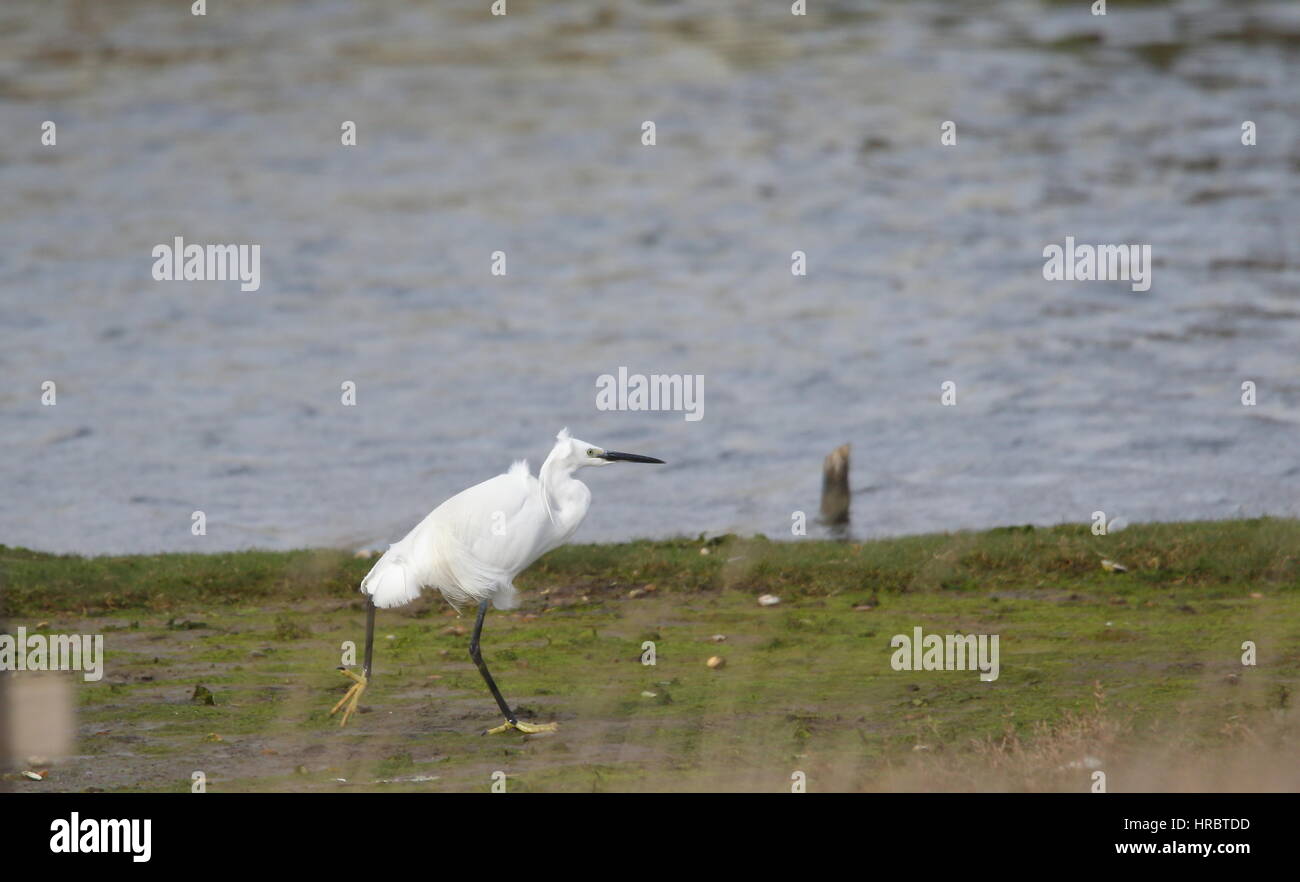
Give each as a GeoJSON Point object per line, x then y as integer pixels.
{"type": "Point", "coordinates": [472, 546]}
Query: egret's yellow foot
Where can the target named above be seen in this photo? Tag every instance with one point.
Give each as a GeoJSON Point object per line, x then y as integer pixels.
{"type": "Point", "coordinates": [526, 728]}
{"type": "Point", "coordinates": [348, 703]}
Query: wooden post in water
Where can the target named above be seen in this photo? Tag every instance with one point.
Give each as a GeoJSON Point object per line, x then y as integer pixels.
{"type": "Point", "coordinates": [835, 486]}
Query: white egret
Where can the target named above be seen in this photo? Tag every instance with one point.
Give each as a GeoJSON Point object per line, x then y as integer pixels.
{"type": "Point", "coordinates": [472, 546]}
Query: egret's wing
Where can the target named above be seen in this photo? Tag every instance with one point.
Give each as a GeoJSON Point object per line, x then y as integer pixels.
{"type": "Point", "coordinates": [439, 551]}
{"type": "Point", "coordinates": [492, 531]}
{"type": "Point", "coordinates": [471, 546]}
{"type": "Point", "coordinates": [498, 522]}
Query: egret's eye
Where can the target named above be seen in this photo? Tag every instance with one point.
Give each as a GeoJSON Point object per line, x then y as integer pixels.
{"type": "Point", "coordinates": [591, 451]}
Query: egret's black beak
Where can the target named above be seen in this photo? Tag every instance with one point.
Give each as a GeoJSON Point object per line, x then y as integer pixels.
{"type": "Point", "coordinates": [615, 456]}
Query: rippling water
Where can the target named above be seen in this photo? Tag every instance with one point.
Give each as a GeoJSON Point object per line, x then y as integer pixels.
{"type": "Point", "coordinates": [522, 134]}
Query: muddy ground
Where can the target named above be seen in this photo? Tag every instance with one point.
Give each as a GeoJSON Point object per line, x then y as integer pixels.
{"type": "Point", "coordinates": [1138, 675]}
{"type": "Point", "coordinates": [804, 686]}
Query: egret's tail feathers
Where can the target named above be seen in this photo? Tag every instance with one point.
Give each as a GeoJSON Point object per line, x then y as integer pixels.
{"type": "Point", "coordinates": [506, 597]}
{"type": "Point", "coordinates": [389, 582]}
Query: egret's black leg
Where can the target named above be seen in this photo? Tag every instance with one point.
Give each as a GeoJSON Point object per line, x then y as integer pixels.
{"type": "Point", "coordinates": [352, 698]}
{"type": "Point", "coordinates": [477, 655]}
{"type": "Point", "coordinates": [370, 635]}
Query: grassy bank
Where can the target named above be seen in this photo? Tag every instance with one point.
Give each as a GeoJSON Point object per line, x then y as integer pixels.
{"type": "Point", "coordinates": [1138, 673]}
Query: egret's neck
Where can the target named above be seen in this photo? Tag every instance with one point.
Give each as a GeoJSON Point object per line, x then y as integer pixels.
{"type": "Point", "coordinates": [565, 496]}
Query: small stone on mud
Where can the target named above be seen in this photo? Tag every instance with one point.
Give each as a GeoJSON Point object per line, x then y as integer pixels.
{"type": "Point", "coordinates": [413, 779]}
{"type": "Point", "coordinates": [635, 593]}
{"type": "Point", "coordinates": [866, 607]}
{"type": "Point", "coordinates": [35, 776]}
{"type": "Point", "coordinates": [648, 694]}
{"type": "Point", "coordinates": [716, 662]}
{"type": "Point", "coordinates": [768, 600]}
{"type": "Point", "coordinates": [1088, 762]}
{"type": "Point", "coordinates": [719, 638]}
{"type": "Point", "coordinates": [455, 630]}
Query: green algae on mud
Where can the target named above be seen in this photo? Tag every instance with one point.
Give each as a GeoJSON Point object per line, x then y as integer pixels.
{"type": "Point", "coordinates": [1142, 669]}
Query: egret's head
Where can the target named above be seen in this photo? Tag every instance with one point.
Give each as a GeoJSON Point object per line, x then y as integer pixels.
{"type": "Point", "coordinates": [582, 453]}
